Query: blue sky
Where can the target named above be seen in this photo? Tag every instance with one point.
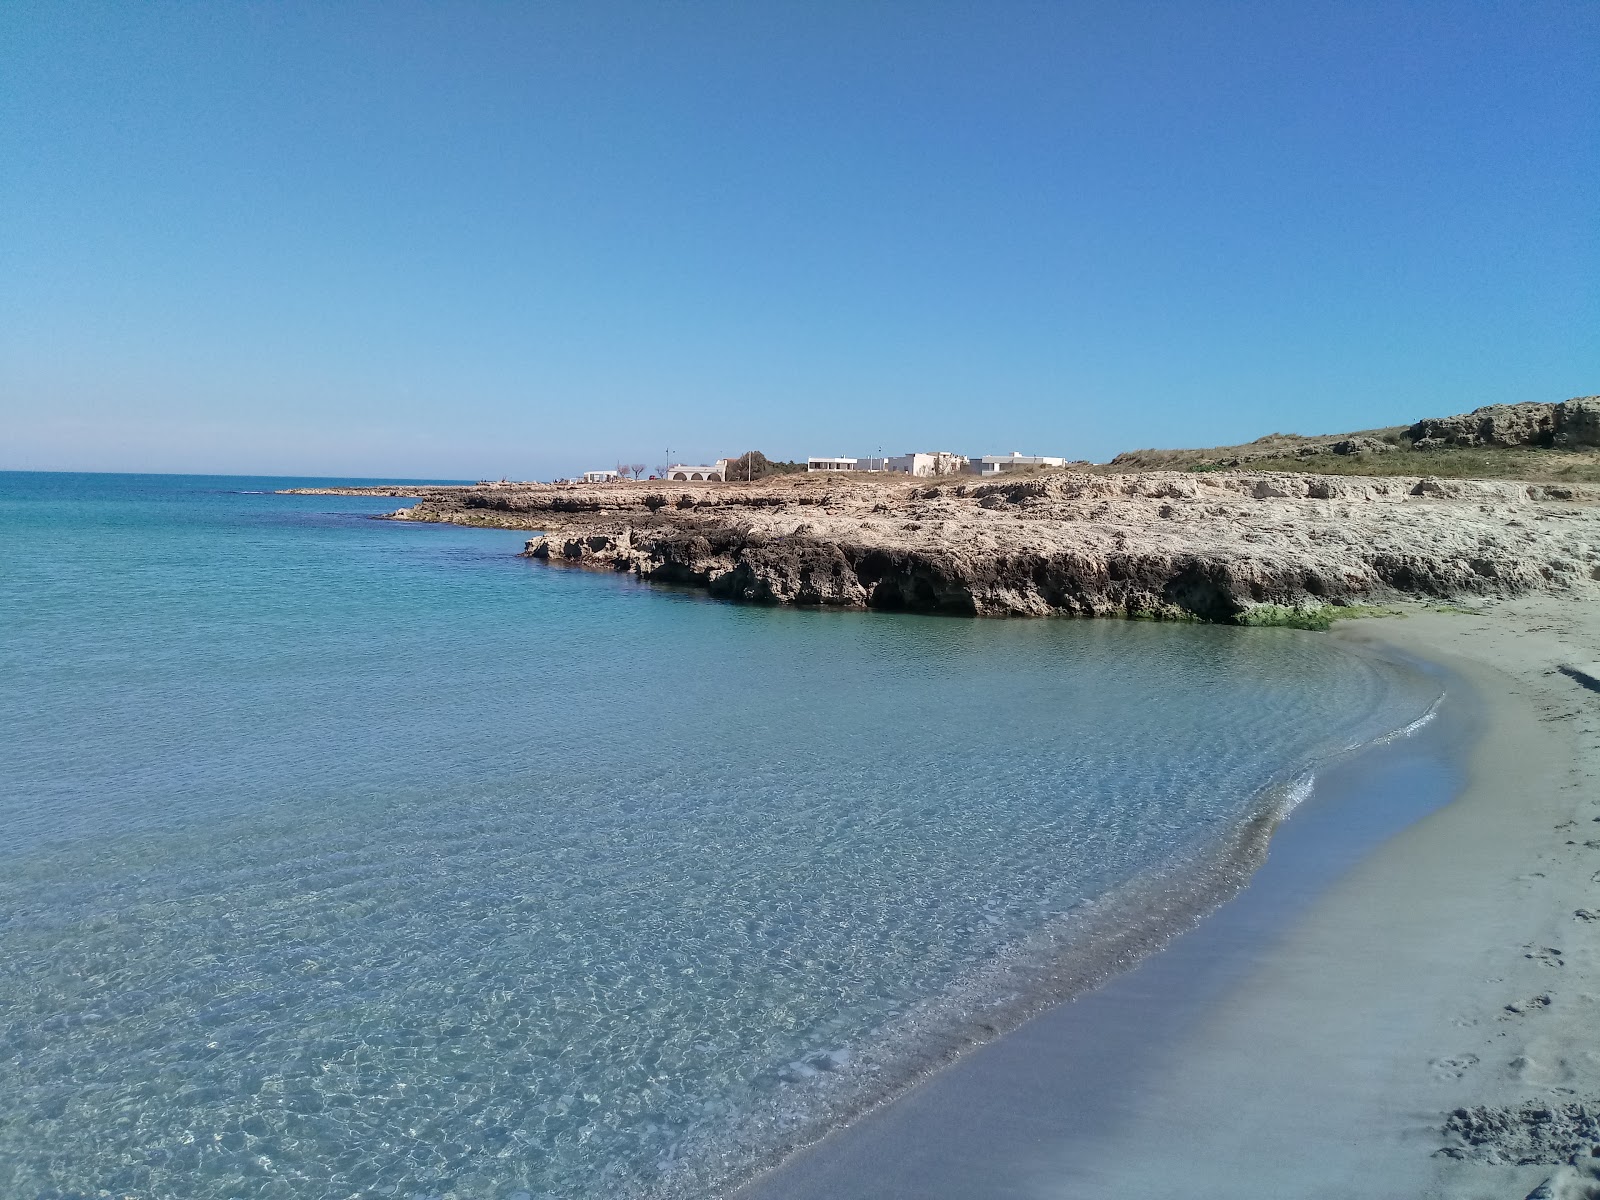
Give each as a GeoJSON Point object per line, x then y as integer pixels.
{"type": "Point", "coordinates": [523, 239]}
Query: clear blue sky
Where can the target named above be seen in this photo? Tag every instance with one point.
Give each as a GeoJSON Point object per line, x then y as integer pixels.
{"type": "Point", "coordinates": [458, 240]}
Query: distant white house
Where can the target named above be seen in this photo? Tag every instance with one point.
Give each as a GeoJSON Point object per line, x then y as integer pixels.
{"type": "Point", "coordinates": [998, 464]}
{"type": "Point", "coordinates": [599, 476]}
{"type": "Point", "coordinates": [936, 462]}
{"type": "Point", "coordinates": [683, 473]}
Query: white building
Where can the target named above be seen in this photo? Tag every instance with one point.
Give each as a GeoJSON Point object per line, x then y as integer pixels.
{"type": "Point", "coordinates": [998, 464]}
{"type": "Point", "coordinates": [936, 462]}
{"type": "Point", "coordinates": [684, 473]}
{"type": "Point", "coordinates": [600, 476]}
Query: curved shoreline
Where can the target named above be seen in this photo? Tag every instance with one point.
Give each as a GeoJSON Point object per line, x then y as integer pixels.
{"type": "Point", "coordinates": [1328, 1068]}
{"type": "Point", "coordinates": [1074, 955]}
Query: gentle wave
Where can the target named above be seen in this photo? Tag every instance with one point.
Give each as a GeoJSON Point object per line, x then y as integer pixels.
{"type": "Point", "coordinates": [1406, 731]}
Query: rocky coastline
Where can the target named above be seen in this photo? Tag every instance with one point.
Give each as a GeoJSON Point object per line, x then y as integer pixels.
{"type": "Point", "coordinates": [1227, 546]}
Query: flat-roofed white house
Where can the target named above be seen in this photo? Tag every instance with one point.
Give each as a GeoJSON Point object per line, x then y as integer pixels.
{"type": "Point", "coordinates": [684, 473]}
{"type": "Point", "coordinates": [599, 476]}
{"type": "Point", "coordinates": [933, 462]}
{"type": "Point", "coordinates": [998, 464]}
{"type": "Point", "coordinates": [936, 462]}
{"type": "Point", "coordinates": [849, 464]}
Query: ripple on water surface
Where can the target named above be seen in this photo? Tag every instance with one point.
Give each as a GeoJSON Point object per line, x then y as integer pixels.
{"type": "Point", "coordinates": [350, 858]}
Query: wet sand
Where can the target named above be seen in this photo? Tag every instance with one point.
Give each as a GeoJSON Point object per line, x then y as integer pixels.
{"type": "Point", "coordinates": [1393, 961]}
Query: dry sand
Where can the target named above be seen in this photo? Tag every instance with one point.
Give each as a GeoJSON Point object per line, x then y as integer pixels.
{"type": "Point", "coordinates": [1456, 967]}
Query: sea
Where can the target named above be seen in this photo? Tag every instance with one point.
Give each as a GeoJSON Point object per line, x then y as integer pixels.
{"type": "Point", "coordinates": [343, 857]}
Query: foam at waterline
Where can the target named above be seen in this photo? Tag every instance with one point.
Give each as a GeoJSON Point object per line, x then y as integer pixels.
{"type": "Point", "coordinates": [1095, 941]}
{"type": "Point", "coordinates": [1408, 730]}
{"type": "Point", "coordinates": [1299, 790]}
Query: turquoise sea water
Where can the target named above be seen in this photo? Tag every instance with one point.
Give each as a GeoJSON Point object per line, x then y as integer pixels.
{"type": "Point", "coordinates": [353, 858]}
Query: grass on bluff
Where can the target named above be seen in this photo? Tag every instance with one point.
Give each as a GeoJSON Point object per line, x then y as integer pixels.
{"type": "Point", "coordinates": [1273, 445]}
{"type": "Point", "coordinates": [1277, 452]}
{"type": "Point", "coordinates": [1535, 466]}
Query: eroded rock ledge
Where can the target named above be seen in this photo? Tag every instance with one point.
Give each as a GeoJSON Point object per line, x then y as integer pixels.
{"type": "Point", "coordinates": [1234, 546]}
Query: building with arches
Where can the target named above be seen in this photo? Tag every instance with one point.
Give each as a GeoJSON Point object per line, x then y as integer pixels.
{"type": "Point", "coordinates": [682, 473]}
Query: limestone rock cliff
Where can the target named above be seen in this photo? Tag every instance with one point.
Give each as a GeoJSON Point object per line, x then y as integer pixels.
{"type": "Point", "coordinates": [1572, 424]}
{"type": "Point", "coordinates": [1214, 546]}
{"type": "Point", "coordinates": [1219, 545]}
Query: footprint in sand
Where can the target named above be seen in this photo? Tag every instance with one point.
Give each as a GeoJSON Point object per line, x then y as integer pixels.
{"type": "Point", "coordinates": [1547, 955]}
{"type": "Point", "coordinates": [1585, 914]}
{"type": "Point", "coordinates": [1528, 1006]}
{"type": "Point", "coordinates": [1452, 1068]}
{"type": "Point", "coordinates": [1540, 1074]}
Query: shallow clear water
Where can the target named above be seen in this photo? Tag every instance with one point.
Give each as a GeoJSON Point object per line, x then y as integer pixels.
{"type": "Point", "coordinates": [348, 858]}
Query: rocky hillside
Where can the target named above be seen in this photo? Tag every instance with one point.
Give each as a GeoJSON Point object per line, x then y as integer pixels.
{"type": "Point", "coordinates": [1553, 442]}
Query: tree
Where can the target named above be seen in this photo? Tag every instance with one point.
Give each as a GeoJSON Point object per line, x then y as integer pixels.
{"type": "Point", "coordinates": [637, 470]}
{"type": "Point", "coordinates": [755, 465]}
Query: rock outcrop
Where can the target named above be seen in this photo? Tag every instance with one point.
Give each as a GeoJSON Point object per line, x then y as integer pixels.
{"type": "Point", "coordinates": [1572, 424]}
{"type": "Point", "coordinates": [1217, 546]}
{"type": "Point", "coordinates": [1577, 423]}
{"type": "Point", "coordinates": [1360, 445]}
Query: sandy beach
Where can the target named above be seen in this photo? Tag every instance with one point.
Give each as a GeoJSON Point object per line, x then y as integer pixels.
{"type": "Point", "coordinates": [1426, 1028]}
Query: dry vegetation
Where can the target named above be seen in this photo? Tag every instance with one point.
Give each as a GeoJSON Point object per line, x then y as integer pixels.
{"type": "Point", "coordinates": [1387, 452]}
{"type": "Point", "coordinates": [1278, 445]}
{"type": "Point", "coordinates": [1534, 466]}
